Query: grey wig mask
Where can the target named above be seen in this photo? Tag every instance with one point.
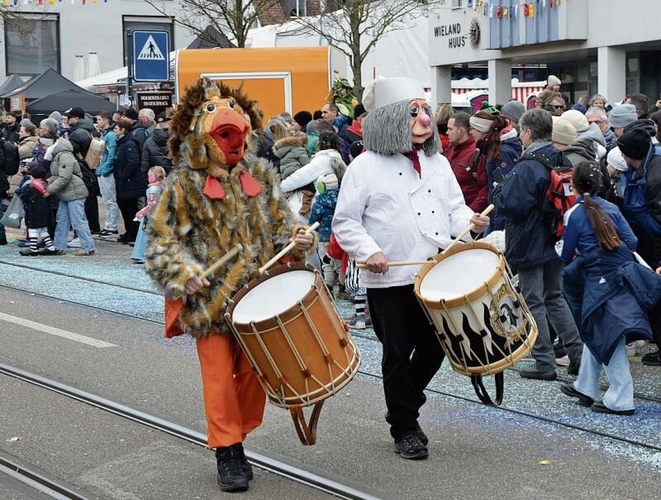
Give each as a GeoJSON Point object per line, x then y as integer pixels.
{"type": "Point", "coordinates": [387, 131]}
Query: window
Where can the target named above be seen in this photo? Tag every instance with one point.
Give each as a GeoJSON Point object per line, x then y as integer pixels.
{"type": "Point", "coordinates": [32, 44]}
{"type": "Point", "coordinates": [294, 8]}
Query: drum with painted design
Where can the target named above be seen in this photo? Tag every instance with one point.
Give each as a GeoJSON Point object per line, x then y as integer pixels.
{"type": "Point", "coordinates": [482, 321]}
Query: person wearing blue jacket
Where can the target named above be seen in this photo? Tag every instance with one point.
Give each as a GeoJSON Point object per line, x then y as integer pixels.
{"type": "Point", "coordinates": [104, 172]}
{"type": "Point", "coordinates": [641, 206]}
{"type": "Point", "coordinates": [597, 243]}
{"type": "Point", "coordinates": [530, 246]}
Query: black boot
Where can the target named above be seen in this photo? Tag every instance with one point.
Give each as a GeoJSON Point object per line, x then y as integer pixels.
{"type": "Point", "coordinates": [245, 466]}
{"type": "Point", "coordinates": [231, 476]}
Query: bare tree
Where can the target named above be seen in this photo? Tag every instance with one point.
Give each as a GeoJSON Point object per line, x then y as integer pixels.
{"type": "Point", "coordinates": [234, 17]}
{"type": "Point", "coordinates": [355, 26]}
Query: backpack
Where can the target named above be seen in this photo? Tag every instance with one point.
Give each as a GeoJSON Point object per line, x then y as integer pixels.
{"type": "Point", "coordinates": [94, 152]}
{"type": "Point", "coordinates": [89, 178]}
{"type": "Point", "coordinates": [12, 157]}
{"type": "Point", "coordinates": [559, 197]}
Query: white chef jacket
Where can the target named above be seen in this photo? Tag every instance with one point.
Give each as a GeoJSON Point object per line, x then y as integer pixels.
{"type": "Point", "coordinates": [385, 206]}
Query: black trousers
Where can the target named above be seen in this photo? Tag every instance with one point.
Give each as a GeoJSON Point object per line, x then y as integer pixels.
{"type": "Point", "coordinates": [128, 208]}
{"type": "Point", "coordinates": [412, 354]}
{"type": "Point", "coordinates": [649, 248]}
{"type": "Point", "coordinates": [92, 213]}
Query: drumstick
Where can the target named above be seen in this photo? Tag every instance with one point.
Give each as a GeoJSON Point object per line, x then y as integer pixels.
{"type": "Point", "coordinates": [465, 231]}
{"type": "Point", "coordinates": [398, 263]}
{"type": "Point", "coordinates": [282, 252]}
{"type": "Point", "coordinates": [222, 260]}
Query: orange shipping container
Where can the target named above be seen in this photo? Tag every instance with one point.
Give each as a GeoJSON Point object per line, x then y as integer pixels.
{"type": "Point", "coordinates": [281, 79]}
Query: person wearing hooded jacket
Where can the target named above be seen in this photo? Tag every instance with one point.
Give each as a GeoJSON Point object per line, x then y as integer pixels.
{"type": "Point", "coordinates": [327, 160]}
{"type": "Point", "coordinates": [530, 246]}
{"type": "Point", "coordinates": [80, 135]}
{"type": "Point", "coordinates": [155, 152]}
{"type": "Point", "coordinates": [129, 181]}
{"type": "Point", "coordinates": [66, 181]}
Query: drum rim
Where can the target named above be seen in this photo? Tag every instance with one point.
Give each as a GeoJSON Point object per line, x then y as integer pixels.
{"type": "Point", "coordinates": [473, 295]}
{"type": "Point", "coordinates": [285, 316]}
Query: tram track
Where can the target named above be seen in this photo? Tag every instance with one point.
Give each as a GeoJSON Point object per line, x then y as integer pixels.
{"type": "Point", "coordinates": [541, 418]}
{"type": "Point", "coordinates": [36, 481]}
{"type": "Point", "coordinates": [317, 482]}
{"type": "Point", "coordinates": [133, 315]}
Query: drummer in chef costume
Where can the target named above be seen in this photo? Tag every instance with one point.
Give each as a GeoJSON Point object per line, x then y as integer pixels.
{"type": "Point", "coordinates": [218, 196]}
{"type": "Point", "coordinates": [400, 201]}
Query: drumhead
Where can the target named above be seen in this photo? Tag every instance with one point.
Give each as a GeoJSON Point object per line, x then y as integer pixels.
{"type": "Point", "coordinates": [273, 296]}
{"type": "Point", "coordinates": [459, 274]}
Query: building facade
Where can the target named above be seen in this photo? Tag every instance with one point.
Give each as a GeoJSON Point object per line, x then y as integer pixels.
{"type": "Point", "coordinates": [62, 35]}
{"type": "Point", "coordinates": [594, 46]}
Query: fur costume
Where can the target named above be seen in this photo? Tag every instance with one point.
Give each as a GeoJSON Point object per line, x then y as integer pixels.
{"type": "Point", "coordinates": [209, 205]}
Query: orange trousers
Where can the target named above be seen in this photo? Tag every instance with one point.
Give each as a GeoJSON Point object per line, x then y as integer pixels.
{"type": "Point", "coordinates": [234, 400]}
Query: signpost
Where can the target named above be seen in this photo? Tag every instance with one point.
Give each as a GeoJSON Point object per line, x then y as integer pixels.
{"type": "Point", "coordinates": [151, 56]}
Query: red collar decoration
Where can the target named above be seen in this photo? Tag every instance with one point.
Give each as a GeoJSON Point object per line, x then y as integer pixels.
{"type": "Point", "coordinates": [413, 156]}
{"type": "Point", "coordinates": [214, 190]}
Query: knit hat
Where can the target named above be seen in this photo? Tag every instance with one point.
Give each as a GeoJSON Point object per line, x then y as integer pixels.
{"type": "Point", "coordinates": [577, 119]}
{"type": "Point", "coordinates": [615, 159]}
{"type": "Point", "coordinates": [384, 91]}
{"type": "Point", "coordinates": [579, 107]}
{"type": "Point", "coordinates": [326, 182]}
{"type": "Point", "coordinates": [564, 131]}
{"type": "Point", "coordinates": [131, 114]}
{"type": "Point", "coordinates": [635, 143]}
{"type": "Point", "coordinates": [480, 124]}
{"type": "Point", "coordinates": [513, 110]}
{"type": "Point", "coordinates": [359, 111]}
{"type": "Point", "coordinates": [303, 118]}
{"type": "Point", "coordinates": [552, 81]}
{"type": "Point", "coordinates": [642, 123]}
{"type": "Point", "coordinates": [622, 115]}
{"type": "Point", "coordinates": [356, 148]}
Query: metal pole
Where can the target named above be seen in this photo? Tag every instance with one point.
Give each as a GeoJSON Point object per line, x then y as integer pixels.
{"type": "Point", "coordinates": [129, 66]}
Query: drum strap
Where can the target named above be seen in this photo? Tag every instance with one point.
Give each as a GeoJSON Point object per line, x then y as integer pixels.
{"type": "Point", "coordinates": [482, 393]}
{"type": "Point", "coordinates": [307, 432]}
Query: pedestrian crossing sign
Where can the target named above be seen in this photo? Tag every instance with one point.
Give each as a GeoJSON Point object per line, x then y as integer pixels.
{"type": "Point", "coordinates": [151, 56]}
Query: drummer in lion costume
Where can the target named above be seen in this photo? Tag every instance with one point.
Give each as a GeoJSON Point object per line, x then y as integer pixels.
{"type": "Point", "coordinates": [218, 195]}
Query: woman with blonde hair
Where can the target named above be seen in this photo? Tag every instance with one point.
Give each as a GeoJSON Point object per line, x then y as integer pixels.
{"type": "Point", "coordinates": [442, 115]}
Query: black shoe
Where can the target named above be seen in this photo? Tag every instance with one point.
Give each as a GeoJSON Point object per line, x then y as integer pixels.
{"type": "Point", "coordinates": [231, 476]}
{"type": "Point", "coordinates": [419, 433]}
{"type": "Point", "coordinates": [46, 251]}
{"type": "Point", "coordinates": [570, 391]}
{"type": "Point", "coordinates": [537, 374]}
{"type": "Point", "coordinates": [600, 407]}
{"type": "Point", "coordinates": [652, 358]}
{"type": "Point", "coordinates": [245, 465]}
{"type": "Point", "coordinates": [573, 367]}
{"type": "Point", "coordinates": [28, 253]}
{"type": "Point", "coordinates": [411, 448]}
{"type": "Point", "coordinates": [3, 240]}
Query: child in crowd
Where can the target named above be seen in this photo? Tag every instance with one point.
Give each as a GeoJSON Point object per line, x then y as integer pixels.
{"type": "Point", "coordinates": [609, 288]}
{"type": "Point", "coordinates": [155, 176]}
{"type": "Point", "coordinates": [290, 150]}
{"type": "Point", "coordinates": [322, 211]}
{"type": "Point", "coordinates": [38, 214]}
{"type": "Point", "coordinates": [353, 285]}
